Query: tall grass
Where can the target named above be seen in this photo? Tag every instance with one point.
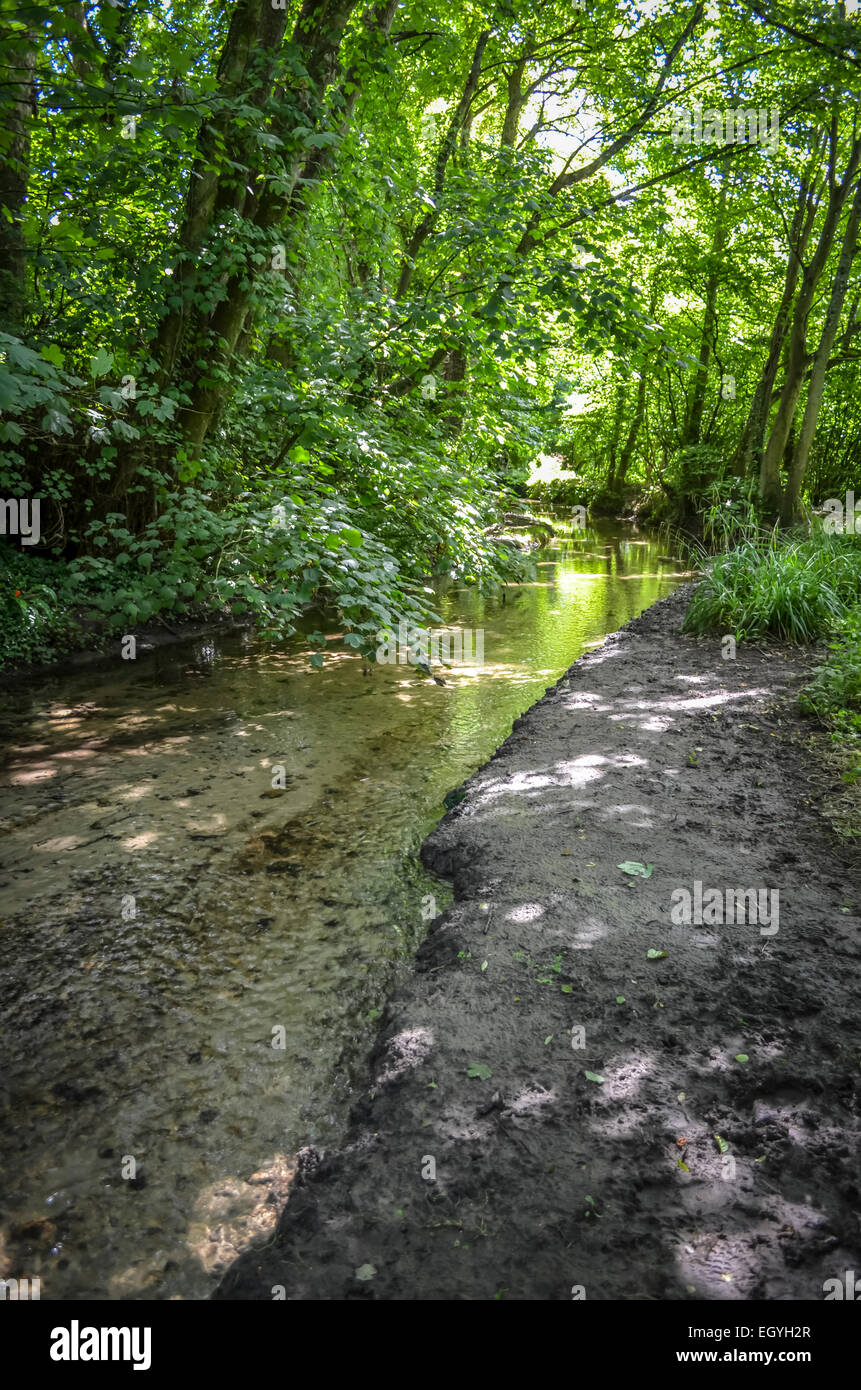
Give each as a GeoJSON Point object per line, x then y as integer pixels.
{"type": "Point", "coordinates": [730, 515]}
{"type": "Point", "coordinates": [778, 585]}
{"type": "Point", "coordinates": [834, 694]}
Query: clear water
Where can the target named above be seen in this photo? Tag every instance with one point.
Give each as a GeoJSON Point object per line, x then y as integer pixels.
{"type": "Point", "coordinates": [190, 967]}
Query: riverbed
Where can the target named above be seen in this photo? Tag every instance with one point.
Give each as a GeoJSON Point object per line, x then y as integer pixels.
{"type": "Point", "coordinates": [196, 947]}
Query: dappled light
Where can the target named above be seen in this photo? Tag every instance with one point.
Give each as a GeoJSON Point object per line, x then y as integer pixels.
{"type": "Point", "coordinates": [430, 660]}
{"type": "Point", "coordinates": [181, 871]}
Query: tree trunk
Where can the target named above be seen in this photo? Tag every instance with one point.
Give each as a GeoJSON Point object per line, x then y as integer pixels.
{"type": "Point", "coordinates": [210, 339]}
{"type": "Point", "coordinates": [250, 26]}
{"type": "Point", "coordinates": [796, 362]}
{"type": "Point", "coordinates": [616, 435]}
{"type": "Point", "coordinates": [630, 442]}
{"type": "Point", "coordinates": [17, 69]}
{"type": "Point", "coordinates": [446, 149]}
{"type": "Point", "coordinates": [454, 376]}
{"type": "Point", "coordinates": [708, 337]}
{"type": "Point", "coordinates": [798, 466]}
{"type": "Point", "coordinates": [750, 448]}
{"type": "Point", "coordinates": [514, 105]}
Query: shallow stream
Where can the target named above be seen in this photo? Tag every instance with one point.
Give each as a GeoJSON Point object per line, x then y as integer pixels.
{"type": "Point", "coordinates": [192, 961]}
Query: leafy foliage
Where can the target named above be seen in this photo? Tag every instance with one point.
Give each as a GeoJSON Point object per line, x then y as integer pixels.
{"type": "Point", "coordinates": [834, 694]}
{"type": "Point", "coordinates": [363, 269]}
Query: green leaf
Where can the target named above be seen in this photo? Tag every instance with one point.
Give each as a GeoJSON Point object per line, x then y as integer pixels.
{"type": "Point", "coordinates": [101, 363]}
{"type": "Point", "coordinates": [593, 1076]}
{"type": "Point", "coordinates": [52, 353]}
{"type": "Point", "coordinates": [317, 659]}
{"type": "Point", "coordinates": [567, 989]}
{"type": "Point", "coordinates": [652, 954]}
{"type": "Point", "coordinates": [479, 1070]}
{"type": "Point", "coordinates": [721, 1143]}
{"type": "Point", "coordinates": [56, 422]}
{"type": "Point", "coordinates": [742, 1057]}
{"type": "Point", "coordinates": [352, 537]}
{"type": "Point", "coordinates": [635, 868]}
{"type": "Point", "coordinates": [620, 998]}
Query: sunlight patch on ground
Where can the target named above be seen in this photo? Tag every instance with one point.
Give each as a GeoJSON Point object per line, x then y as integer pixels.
{"type": "Point", "coordinates": [62, 842]}
{"type": "Point", "coordinates": [37, 774]}
{"type": "Point", "coordinates": [136, 793]}
{"type": "Point", "coordinates": [409, 1049]}
{"type": "Point", "coordinates": [589, 929]}
{"type": "Point", "coordinates": [531, 1099]}
{"type": "Point", "coordinates": [628, 813]}
{"type": "Point", "coordinates": [528, 912]}
{"type": "Point", "coordinates": [624, 1081]}
{"type": "Point", "coordinates": [142, 841]}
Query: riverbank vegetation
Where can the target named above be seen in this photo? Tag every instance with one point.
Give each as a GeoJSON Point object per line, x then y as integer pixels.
{"type": "Point", "coordinates": [801, 588]}
{"type": "Point", "coordinates": [292, 294]}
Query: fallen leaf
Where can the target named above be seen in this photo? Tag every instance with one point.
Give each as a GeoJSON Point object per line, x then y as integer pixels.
{"type": "Point", "coordinates": [636, 869]}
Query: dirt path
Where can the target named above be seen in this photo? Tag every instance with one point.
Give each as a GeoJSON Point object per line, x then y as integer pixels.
{"type": "Point", "coordinates": [655, 750]}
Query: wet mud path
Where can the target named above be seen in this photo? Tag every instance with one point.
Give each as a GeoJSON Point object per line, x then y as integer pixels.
{"type": "Point", "coordinates": [575, 1095]}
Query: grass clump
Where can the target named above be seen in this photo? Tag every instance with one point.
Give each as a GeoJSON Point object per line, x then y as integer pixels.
{"type": "Point", "coordinates": [799, 589]}
{"type": "Point", "coordinates": [834, 695]}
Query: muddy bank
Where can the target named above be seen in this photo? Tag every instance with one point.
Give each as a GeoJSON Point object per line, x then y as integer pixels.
{"type": "Point", "coordinates": [105, 652]}
{"type": "Point", "coordinates": [680, 1126]}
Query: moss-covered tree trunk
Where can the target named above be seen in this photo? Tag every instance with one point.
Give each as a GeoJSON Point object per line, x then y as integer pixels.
{"type": "Point", "coordinates": [17, 105]}
{"type": "Point", "coordinates": [198, 338]}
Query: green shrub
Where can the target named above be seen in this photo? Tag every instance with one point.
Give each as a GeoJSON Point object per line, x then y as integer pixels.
{"type": "Point", "coordinates": [35, 622]}
{"type": "Point", "coordinates": [836, 686]}
{"type": "Point", "coordinates": [796, 589]}
{"type": "Point", "coordinates": [834, 694]}
{"type": "Point", "coordinates": [564, 492]}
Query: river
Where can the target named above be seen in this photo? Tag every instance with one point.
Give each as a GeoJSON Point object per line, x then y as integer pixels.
{"type": "Point", "coordinates": [194, 960]}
